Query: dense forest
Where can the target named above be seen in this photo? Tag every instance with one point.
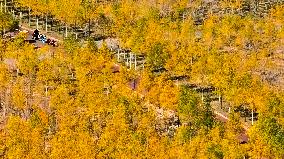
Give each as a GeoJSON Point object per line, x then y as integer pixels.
{"type": "Point", "coordinates": [186, 79]}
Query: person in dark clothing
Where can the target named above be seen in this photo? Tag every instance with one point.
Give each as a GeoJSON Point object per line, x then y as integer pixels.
{"type": "Point", "coordinates": [35, 34]}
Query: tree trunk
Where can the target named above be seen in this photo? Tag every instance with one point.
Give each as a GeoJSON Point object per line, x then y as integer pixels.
{"type": "Point", "coordinates": [21, 15]}
{"type": "Point", "coordinates": [46, 91]}
{"type": "Point", "coordinates": [2, 34]}
{"type": "Point", "coordinates": [245, 115]}
{"type": "Point", "coordinates": [51, 23]}
{"type": "Point", "coordinates": [29, 17]}
{"type": "Point", "coordinates": [37, 22]}
{"type": "Point", "coordinates": [76, 34]}
{"type": "Point", "coordinates": [252, 116]}
{"type": "Point", "coordinates": [46, 23]}
{"type": "Point", "coordinates": [5, 6]}
{"type": "Point", "coordinates": [89, 27]}
{"type": "Point", "coordinates": [3, 105]}
{"type": "Point", "coordinates": [118, 55]}
{"type": "Point", "coordinates": [130, 56]}
{"type": "Point", "coordinates": [202, 95]}
{"type": "Point", "coordinates": [6, 104]}
{"type": "Point", "coordinates": [4, 110]}
{"type": "Point", "coordinates": [221, 101]}
{"type": "Point", "coordinates": [66, 30]}
{"type": "Point", "coordinates": [135, 65]}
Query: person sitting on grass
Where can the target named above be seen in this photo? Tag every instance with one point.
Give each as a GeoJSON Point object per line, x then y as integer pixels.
{"type": "Point", "coordinates": [42, 38]}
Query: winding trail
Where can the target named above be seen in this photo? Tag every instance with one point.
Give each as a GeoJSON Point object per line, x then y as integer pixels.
{"type": "Point", "coordinates": [221, 117]}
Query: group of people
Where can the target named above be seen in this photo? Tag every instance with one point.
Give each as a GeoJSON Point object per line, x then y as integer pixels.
{"type": "Point", "coordinates": [37, 36]}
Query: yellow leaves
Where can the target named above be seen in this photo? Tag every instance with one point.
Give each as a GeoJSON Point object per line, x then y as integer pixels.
{"type": "Point", "coordinates": [180, 62]}
{"type": "Point", "coordinates": [69, 144]}
{"type": "Point", "coordinates": [45, 70]}
{"type": "Point", "coordinates": [61, 100]}
{"type": "Point", "coordinates": [234, 4]}
{"type": "Point", "coordinates": [145, 82]}
{"type": "Point", "coordinates": [154, 33]}
{"type": "Point", "coordinates": [43, 117]}
{"type": "Point", "coordinates": [90, 123]}
{"type": "Point", "coordinates": [163, 93]}
{"type": "Point", "coordinates": [4, 75]}
{"type": "Point", "coordinates": [208, 29]}
{"type": "Point", "coordinates": [21, 140]}
{"type": "Point", "coordinates": [6, 21]}
{"type": "Point", "coordinates": [188, 31]}
{"type": "Point", "coordinates": [18, 138]}
{"type": "Point", "coordinates": [19, 98]}
{"type": "Point", "coordinates": [168, 97]}
{"type": "Point", "coordinates": [66, 11]}
{"type": "Point", "coordinates": [277, 13]}
{"type": "Point", "coordinates": [258, 145]}
{"type": "Point", "coordinates": [27, 60]}
{"type": "Point", "coordinates": [107, 10]}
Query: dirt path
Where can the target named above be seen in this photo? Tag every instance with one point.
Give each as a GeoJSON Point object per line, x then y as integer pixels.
{"type": "Point", "coordinates": [243, 137]}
